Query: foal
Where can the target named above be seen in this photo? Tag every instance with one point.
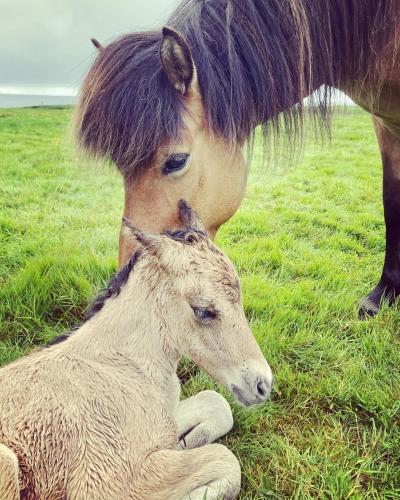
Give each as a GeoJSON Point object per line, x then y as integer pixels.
{"type": "Point", "coordinates": [97, 415]}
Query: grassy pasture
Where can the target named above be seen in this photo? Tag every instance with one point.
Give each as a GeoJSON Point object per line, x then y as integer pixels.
{"type": "Point", "coordinates": [308, 243]}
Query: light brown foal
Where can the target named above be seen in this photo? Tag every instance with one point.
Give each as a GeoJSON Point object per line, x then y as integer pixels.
{"type": "Point", "coordinates": [97, 415]}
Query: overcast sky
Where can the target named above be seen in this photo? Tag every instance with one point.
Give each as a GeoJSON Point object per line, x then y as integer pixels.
{"type": "Point", "coordinates": [45, 44]}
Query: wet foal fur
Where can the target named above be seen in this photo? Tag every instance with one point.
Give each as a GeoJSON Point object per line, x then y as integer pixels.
{"type": "Point", "coordinates": [97, 414]}
{"type": "Point", "coordinates": [201, 86]}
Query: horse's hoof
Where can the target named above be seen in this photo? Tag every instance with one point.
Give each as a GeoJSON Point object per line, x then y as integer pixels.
{"type": "Point", "coordinates": [368, 309]}
{"type": "Point", "coordinates": [370, 306]}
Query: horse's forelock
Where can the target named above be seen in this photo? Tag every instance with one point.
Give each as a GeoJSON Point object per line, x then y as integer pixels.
{"type": "Point", "coordinates": [127, 107]}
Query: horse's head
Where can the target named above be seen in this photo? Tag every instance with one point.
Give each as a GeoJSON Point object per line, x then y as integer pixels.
{"type": "Point", "coordinates": [197, 293]}
{"type": "Point", "coordinates": [141, 107]}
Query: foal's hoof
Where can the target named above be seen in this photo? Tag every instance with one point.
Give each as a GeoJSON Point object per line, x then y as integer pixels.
{"type": "Point", "coordinates": [370, 306]}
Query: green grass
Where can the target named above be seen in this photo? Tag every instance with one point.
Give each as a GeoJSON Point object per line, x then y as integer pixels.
{"type": "Point", "coordinates": [308, 243]}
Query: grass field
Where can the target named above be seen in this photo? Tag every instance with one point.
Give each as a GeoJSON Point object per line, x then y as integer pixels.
{"type": "Point", "coordinates": [308, 243]}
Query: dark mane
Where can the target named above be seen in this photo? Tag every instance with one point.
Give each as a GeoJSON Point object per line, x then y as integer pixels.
{"type": "Point", "coordinates": [113, 290]}
{"type": "Point", "coordinates": [186, 236]}
{"type": "Point", "coordinates": [114, 287]}
{"type": "Point", "coordinates": [256, 61]}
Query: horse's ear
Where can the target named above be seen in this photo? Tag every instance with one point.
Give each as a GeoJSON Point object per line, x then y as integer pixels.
{"type": "Point", "coordinates": [148, 240]}
{"type": "Point", "coordinates": [190, 218]}
{"type": "Point", "coordinates": [97, 44]}
{"type": "Point", "coordinates": [177, 61]}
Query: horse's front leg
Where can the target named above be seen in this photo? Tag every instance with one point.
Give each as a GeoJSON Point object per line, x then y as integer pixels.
{"type": "Point", "coordinates": [388, 287]}
{"type": "Point", "coordinates": [202, 419]}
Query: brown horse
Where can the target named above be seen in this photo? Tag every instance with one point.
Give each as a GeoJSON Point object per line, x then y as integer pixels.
{"type": "Point", "coordinates": [174, 108]}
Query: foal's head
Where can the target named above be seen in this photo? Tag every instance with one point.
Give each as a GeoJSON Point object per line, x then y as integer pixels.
{"type": "Point", "coordinates": [197, 294]}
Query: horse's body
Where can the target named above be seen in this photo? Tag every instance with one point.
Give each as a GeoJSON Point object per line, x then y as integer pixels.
{"type": "Point", "coordinates": [181, 105]}
{"type": "Point", "coordinates": [385, 109]}
{"type": "Point", "coordinates": [98, 416]}
{"type": "Point", "coordinates": [383, 99]}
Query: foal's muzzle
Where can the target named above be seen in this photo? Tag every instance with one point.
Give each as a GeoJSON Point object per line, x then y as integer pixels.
{"type": "Point", "coordinates": [252, 387]}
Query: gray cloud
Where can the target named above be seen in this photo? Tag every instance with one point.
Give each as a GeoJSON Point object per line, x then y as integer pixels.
{"type": "Point", "coordinates": [45, 43]}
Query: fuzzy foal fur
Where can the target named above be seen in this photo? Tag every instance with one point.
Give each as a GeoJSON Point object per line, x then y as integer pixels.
{"type": "Point", "coordinates": [97, 415]}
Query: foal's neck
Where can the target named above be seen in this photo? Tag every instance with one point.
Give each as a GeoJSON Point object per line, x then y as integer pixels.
{"type": "Point", "coordinates": [129, 327]}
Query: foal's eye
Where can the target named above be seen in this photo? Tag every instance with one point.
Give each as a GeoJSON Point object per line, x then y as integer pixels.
{"type": "Point", "coordinates": [204, 314]}
{"type": "Point", "coordinates": [175, 163]}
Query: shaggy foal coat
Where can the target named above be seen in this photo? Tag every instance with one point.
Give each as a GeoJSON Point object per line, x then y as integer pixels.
{"type": "Point", "coordinates": [97, 415]}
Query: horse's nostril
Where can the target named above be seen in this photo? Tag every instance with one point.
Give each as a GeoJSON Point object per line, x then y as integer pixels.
{"type": "Point", "coordinates": [262, 389]}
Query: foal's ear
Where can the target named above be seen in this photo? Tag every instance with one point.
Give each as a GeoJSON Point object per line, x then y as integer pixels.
{"type": "Point", "coordinates": [190, 218]}
{"type": "Point", "coordinates": [177, 61]}
{"type": "Point", "coordinates": [148, 240]}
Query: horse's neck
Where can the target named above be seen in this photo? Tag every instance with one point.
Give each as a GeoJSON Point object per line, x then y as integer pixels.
{"type": "Point", "coordinates": [125, 327]}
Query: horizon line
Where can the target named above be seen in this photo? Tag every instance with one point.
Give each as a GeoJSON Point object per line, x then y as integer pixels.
{"type": "Point", "coordinates": [48, 91]}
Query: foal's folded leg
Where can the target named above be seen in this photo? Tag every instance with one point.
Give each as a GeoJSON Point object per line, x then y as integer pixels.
{"type": "Point", "coordinates": [211, 472]}
{"type": "Point", "coordinates": [202, 419]}
{"type": "Point", "coordinates": [9, 486]}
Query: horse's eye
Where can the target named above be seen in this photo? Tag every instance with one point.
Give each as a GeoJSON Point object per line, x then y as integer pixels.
{"type": "Point", "coordinates": [204, 314]}
{"type": "Point", "coordinates": [175, 163]}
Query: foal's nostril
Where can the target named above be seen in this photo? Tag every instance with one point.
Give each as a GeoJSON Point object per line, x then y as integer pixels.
{"type": "Point", "coordinates": [262, 389]}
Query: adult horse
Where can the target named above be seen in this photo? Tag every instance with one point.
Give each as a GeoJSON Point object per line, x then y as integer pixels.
{"type": "Point", "coordinates": [174, 108]}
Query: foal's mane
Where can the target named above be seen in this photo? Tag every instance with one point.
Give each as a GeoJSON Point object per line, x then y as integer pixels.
{"type": "Point", "coordinates": [186, 236]}
{"type": "Point", "coordinates": [256, 60]}
{"type": "Point", "coordinates": [113, 289]}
